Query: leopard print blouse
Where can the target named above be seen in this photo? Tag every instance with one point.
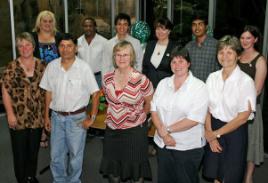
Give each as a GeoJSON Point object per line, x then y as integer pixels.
{"type": "Point", "coordinates": [28, 99]}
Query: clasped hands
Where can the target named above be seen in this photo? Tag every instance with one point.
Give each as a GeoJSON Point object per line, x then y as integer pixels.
{"type": "Point", "coordinates": [167, 138]}
{"type": "Point", "coordinates": [214, 144]}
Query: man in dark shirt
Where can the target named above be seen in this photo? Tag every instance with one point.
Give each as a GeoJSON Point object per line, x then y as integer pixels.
{"type": "Point", "coordinates": [202, 49]}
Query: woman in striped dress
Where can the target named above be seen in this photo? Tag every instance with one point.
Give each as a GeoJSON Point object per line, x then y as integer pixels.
{"type": "Point", "coordinates": [128, 93]}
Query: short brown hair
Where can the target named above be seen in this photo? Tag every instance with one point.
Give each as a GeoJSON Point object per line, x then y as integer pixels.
{"type": "Point", "coordinates": [26, 36]}
{"type": "Point", "coordinates": [230, 41]}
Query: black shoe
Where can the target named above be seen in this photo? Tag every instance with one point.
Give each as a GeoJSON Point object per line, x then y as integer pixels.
{"type": "Point", "coordinates": [32, 180]}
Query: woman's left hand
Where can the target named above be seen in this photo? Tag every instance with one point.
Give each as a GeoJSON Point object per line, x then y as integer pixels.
{"type": "Point", "coordinates": [215, 146]}
{"type": "Point", "coordinates": [210, 135]}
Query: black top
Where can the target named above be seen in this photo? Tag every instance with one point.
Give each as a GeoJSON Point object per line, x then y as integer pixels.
{"type": "Point", "coordinates": [250, 69]}
{"type": "Point", "coordinates": [37, 50]}
{"type": "Point", "coordinates": [163, 70]}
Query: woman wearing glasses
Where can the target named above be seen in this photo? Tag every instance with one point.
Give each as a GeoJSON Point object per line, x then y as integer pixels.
{"type": "Point", "coordinates": [128, 93]}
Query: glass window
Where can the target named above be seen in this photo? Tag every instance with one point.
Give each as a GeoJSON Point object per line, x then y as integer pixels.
{"type": "Point", "coordinates": [182, 15]}
{"type": "Point", "coordinates": [233, 15]}
{"type": "Point", "coordinates": [128, 7]}
{"type": "Point", "coordinates": [100, 10]}
{"type": "Point", "coordinates": [25, 13]}
{"type": "Point", "coordinates": [5, 32]}
{"type": "Point", "coordinates": [160, 8]}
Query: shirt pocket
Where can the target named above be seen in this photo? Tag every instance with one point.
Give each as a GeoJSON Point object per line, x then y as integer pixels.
{"type": "Point", "coordinates": [75, 84]}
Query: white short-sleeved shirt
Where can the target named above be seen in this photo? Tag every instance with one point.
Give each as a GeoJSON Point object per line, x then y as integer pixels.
{"type": "Point", "coordinates": [190, 101]}
{"type": "Point", "coordinates": [92, 53]}
{"type": "Point", "coordinates": [230, 97]}
{"type": "Point", "coordinates": [107, 62]}
{"type": "Point", "coordinates": [70, 89]}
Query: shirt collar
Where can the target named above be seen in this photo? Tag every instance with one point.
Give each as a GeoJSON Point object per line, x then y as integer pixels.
{"type": "Point", "coordinates": [204, 43]}
{"type": "Point", "coordinates": [234, 75]}
{"type": "Point", "coordinates": [84, 40]}
{"type": "Point", "coordinates": [74, 65]}
{"type": "Point", "coordinates": [126, 38]}
{"type": "Point", "coordinates": [184, 85]}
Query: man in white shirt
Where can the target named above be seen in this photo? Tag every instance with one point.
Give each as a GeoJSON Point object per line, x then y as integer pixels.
{"type": "Point", "coordinates": [91, 46]}
{"type": "Point", "coordinates": [122, 25]}
{"type": "Point", "coordinates": [69, 83]}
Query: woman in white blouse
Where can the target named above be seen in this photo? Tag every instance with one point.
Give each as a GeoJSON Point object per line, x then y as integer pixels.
{"type": "Point", "coordinates": [232, 98]}
{"type": "Point", "coordinates": [178, 110]}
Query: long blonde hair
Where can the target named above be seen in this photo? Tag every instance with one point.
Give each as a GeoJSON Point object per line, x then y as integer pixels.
{"type": "Point", "coordinates": [41, 15]}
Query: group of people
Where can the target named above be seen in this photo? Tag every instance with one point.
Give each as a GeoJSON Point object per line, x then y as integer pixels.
{"type": "Point", "coordinates": [202, 99]}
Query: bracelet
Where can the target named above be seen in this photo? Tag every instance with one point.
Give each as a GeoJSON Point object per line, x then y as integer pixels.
{"type": "Point", "coordinates": [93, 117]}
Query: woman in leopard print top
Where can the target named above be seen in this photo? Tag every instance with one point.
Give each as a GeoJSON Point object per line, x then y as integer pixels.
{"type": "Point", "coordinates": [24, 104]}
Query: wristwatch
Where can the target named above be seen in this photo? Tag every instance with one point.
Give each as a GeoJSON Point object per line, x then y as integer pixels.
{"type": "Point", "coordinates": [169, 130]}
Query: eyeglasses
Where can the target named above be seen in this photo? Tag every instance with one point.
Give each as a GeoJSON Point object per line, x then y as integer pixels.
{"type": "Point", "coordinates": [121, 56]}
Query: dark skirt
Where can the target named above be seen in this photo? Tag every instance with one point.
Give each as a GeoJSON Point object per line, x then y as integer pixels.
{"type": "Point", "coordinates": [229, 165]}
{"type": "Point", "coordinates": [125, 153]}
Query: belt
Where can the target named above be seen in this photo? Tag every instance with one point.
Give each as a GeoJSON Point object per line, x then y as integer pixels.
{"type": "Point", "coordinates": [72, 113]}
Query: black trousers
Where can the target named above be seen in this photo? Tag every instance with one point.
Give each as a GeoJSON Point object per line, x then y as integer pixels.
{"type": "Point", "coordinates": [179, 166]}
{"type": "Point", "coordinates": [25, 146]}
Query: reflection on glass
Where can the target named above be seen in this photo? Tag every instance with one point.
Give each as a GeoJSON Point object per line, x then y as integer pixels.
{"type": "Point", "coordinates": [160, 8]}
{"type": "Point", "coordinates": [100, 10]}
{"type": "Point", "coordinates": [25, 13]}
{"type": "Point", "coordinates": [5, 32]}
{"type": "Point", "coordinates": [183, 11]}
{"type": "Point", "coordinates": [128, 7]}
{"type": "Point", "coordinates": [232, 17]}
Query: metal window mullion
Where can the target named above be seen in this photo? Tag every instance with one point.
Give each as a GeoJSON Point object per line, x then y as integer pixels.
{"type": "Point", "coordinates": [66, 18]}
{"type": "Point", "coordinates": [265, 46]}
{"type": "Point", "coordinates": [170, 5]}
{"type": "Point", "coordinates": [137, 10]}
{"type": "Point", "coordinates": [112, 17]}
{"type": "Point", "coordinates": [265, 33]}
{"type": "Point", "coordinates": [212, 13]}
{"type": "Point", "coordinates": [12, 24]}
